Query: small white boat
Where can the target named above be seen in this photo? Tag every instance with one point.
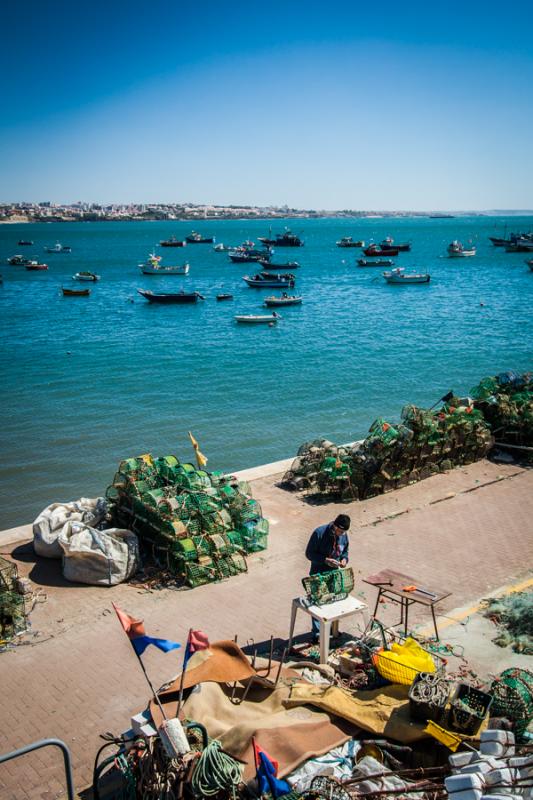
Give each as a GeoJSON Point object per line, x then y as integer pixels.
{"type": "Point", "coordinates": [222, 248]}
{"type": "Point", "coordinates": [59, 248]}
{"type": "Point", "coordinates": [347, 241]}
{"type": "Point", "coordinates": [152, 266]}
{"type": "Point", "coordinates": [86, 276]}
{"type": "Point", "coordinates": [254, 319]}
{"type": "Point", "coordinates": [529, 262]}
{"type": "Point", "coordinates": [284, 300]}
{"type": "Point", "coordinates": [399, 276]}
{"type": "Point", "coordinates": [457, 250]}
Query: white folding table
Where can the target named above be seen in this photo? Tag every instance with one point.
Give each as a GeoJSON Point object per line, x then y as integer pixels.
{"type": "Point", "coordinates": [326, 615]}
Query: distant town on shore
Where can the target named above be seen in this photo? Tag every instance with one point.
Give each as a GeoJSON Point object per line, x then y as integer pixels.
{"type": "Point", "coordinates": [97, 212]}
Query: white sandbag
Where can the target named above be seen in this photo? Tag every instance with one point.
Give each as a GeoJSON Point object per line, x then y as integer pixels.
{"type": "Point", "coordinates": [101, 558]}
{"type": "Point", "coordinates": [50, 522]}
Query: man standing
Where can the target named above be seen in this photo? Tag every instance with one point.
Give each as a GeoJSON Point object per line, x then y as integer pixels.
{"type": "Point", "coordinates": [327, 549]}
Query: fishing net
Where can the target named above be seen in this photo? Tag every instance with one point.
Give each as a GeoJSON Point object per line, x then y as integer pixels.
{"type": "Point", "coordinates": [513, 614]}
{"type": "Point", "coordinates": [197, 524]}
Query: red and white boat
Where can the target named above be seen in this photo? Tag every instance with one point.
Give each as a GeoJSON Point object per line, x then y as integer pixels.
{"type": "Point", "coordinates": [34, 265]}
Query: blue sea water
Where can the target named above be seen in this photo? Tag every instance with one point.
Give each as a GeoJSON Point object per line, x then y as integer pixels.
{"type": "Point", "coordinates": [89, 381]}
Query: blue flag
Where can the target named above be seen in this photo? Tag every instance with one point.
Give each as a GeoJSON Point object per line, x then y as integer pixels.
{"type": "Point", "coordinates": [140, 643]}
{"type": "Point", "coordinates": [266, 772]}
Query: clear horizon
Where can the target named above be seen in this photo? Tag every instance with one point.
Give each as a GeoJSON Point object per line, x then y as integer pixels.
{"type": "Point", "coordinates": [412, 108]}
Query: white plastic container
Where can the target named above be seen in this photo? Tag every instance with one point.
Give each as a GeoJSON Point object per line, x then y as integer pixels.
{"type": "Point", "coordinates": [497, 743]}
{"type": "Point", "coordinates": [502, 780]}
{"type": "Point", "coordinates": [460, 760]}
{"type": "Point", "coordinates": [500, 796]}
{"type": "Point", "coordinates": [469, 794]}
{"type": "Point", "coordinates": [482, 766]}
{"type": "Point", "coordinates": [521, 761]}
{"type": "Point", "coordinates": [464, 787]}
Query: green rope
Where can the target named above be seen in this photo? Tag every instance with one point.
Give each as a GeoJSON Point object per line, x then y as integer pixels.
{"type": "Point", "coordinates": [215, 771]}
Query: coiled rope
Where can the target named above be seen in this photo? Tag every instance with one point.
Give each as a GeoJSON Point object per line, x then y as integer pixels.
{"type": "Point", "coordinates": [215, 771]}
{"type": "Point", "coordinates": [431, 688]}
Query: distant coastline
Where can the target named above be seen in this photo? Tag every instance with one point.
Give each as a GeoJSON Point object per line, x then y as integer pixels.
{"type": "Point", "coordinates": [21, 213]}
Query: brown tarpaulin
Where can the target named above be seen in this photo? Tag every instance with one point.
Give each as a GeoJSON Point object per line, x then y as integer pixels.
{"type": "Point", "coordinates": [290, 736]}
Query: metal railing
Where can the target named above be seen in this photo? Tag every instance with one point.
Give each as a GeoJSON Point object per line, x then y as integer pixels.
{"type": "Point", "coordinates": [29, 748]}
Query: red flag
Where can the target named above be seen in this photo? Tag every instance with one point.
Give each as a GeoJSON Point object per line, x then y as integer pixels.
{"type": "Point", "coordinates": [133, 627]}
{"type": "Point", "coordinates": [257, 757]}
{"type": "Point", "coordinates": [197, 641]}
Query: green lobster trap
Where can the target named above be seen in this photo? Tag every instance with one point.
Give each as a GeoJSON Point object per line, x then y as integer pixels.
{"type": "Point", "coordinates": [230, 565]}
{"type": "Point", "coordinates": [12, 604]}
{"type": "Point", "coordinates": [512, 694]}
{"type": "Point", "coordinates": [328, 587]}
{"type": "Point", "coordinates": [198, 574]}
{"type": "Point", "coordinates": [255, 535]}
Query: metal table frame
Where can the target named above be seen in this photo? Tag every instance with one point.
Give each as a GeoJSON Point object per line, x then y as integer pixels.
{"type": "Point", "coordinates": [389, 585]}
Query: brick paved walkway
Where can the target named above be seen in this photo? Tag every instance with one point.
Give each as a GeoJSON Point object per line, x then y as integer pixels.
{"type": "Point", "coordinates": [470, 531]}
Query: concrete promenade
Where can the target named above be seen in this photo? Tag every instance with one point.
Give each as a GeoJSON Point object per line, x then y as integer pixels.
{"type": "Point", "coordinates": [75, 675]}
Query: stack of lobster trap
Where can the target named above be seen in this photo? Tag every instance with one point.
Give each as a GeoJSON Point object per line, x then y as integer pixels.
{"type": "Point", "coordinates": [393, 455]}
{"type": "Point", "coordinates": [199, 525]}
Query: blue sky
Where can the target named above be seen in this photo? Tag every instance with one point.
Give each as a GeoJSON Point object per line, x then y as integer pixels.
{"type": "Point", "coordinates": [375, 106]}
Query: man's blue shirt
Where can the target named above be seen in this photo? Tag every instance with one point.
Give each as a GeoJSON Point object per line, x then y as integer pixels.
{"type": "Point", "coordinates": [324, 544]}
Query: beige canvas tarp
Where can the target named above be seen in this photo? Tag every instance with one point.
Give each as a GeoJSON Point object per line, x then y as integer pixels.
{"type": "Point", "coordinates": [382, 711]}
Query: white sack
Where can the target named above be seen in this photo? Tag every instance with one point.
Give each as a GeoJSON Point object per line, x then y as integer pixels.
{"type": "Point", "coordinates": [51, 521]}
{"type": "Point", "coordinates": [101, 558]}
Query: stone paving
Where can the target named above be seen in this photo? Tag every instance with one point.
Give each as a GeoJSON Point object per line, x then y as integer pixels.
{"type": "Point", "coordinates": [75, 676]}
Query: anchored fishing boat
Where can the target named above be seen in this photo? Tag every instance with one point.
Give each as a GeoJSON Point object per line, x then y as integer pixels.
{"type": "Point", "coordinates": [374, 250]}
{"type": "Point", "coordinates": [529, 262]}
{"type": "Point", "coordinates": [388, 243]}
{"type": "Point", "coordinates": [172, 242]}
{"type": "Point", "coordinates": [244, 254]}
{"type": "Point", "coordinates": [86, 276]}
{"type": "Point", "coordinates": [347, 241]}
{"type": "Point", "coordinates": [524, 244]}
{"type": "Point", "coordinates": [58, 248]}
{"type": "Point", "coordinates": [197, 238]}
{"type": "Point", "coordinates": [457, 250]}
{"type": "Point", "coordinates": [224, 296]}
{"type": "Point", "coordinates": [285, 239]}
{"type": "Point", "coordinates": [167, 298]}
{"type": "Point", "coordinates": [18, 261]}
{"type": "Point", "coordinates": [22, 242]}
{"type": "Point", "coordinates": [152, 266]}
{"type": "Point", "coordinates": [378, 262]}
{"type": "Point", "coordinates": [270, 265]}
{"type": "Point", "coordinates": [76, 292]}
{"type": "Point", "coordinates": [399, 276]}
{"type": "Point", "coordinates": [284, 300]}
{"type": "Point", "coordinates": [265, 280]}
{"type": "Point", "coordinates": [253, 319]}
{"type": "Point", "coordinates": [34, 265]}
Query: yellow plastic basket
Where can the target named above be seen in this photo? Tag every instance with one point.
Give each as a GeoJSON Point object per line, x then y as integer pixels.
{"type": "Point", "coordinates": [403, 662]}
{"type": "Point", "coordinates": [394, 671]}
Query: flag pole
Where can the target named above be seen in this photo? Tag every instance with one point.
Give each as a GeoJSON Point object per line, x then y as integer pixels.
{"type": "Point", "coordinates": [182, 679]}
{"type": "Point", "coordinates": [149, 682]}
